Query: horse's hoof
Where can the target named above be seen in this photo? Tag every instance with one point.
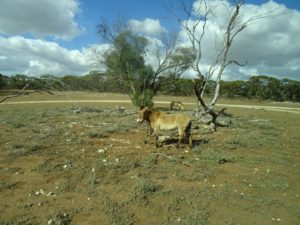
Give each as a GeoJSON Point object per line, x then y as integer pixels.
{"type": "Point", "coordinates": [145, 142]}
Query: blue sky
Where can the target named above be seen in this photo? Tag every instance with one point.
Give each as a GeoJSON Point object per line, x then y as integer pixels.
{"type": "Point", "coordinates": [92, 11]}
{"type": "Point", "coordinates": [58, 37]}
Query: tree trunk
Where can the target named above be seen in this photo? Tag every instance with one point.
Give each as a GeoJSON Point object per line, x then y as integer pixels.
{"type": "Point", "coordinates": [203, 110]}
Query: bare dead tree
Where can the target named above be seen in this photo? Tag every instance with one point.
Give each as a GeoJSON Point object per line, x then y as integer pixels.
{"type": "Point", "coordinates": [195, 25]}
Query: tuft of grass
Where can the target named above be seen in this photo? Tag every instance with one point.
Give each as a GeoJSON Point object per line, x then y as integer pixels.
{"type": "Point", "coordinates": [146, 187]}
{"type": "Point", "coordinates": [17, 124]}
{"type": "Point", "coordinates": [7, 185]}
{"type": "Point", "coordinates": [60, 218]}
{"type": "Point", "coordinates": [96, 134]}
{"type": "Point", "coordinates": [213, 157]}
{"type": "Point", "coordinates": [150, 160]}
{"type": "Point", "coordinates": [196, 220]}
{"type": "Point", "coordinates": [19, 149]}
{"type": "Point", "coordinates": [118, 214]}
{"type": "Point", "coordinates": [22, 220]}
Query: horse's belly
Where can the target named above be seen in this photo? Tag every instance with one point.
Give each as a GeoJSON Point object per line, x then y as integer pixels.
{"type": "Point", "coordinates": [168, 126]}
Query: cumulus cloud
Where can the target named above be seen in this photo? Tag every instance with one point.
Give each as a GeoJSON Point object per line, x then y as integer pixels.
{"type": "Point", "coordinates": [148, 26]}
{"type": "Point", "coordinates": [153, 51]}
{"type": "Point", "coordinates": [270, 45]}
{"type": "Point", "coordinates": [40, 18]}
{"type": "Point", "coordinates": [35, 57]}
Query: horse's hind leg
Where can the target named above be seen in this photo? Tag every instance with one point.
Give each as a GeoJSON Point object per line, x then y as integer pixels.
{"type": "Point", "coordinates": [156, 141]}
{"type": "Point", "coordinates": [190, 140]}
{"type": "Point", "coordinates": [188, 135]}
{"type": "Point", "coordinates": [181, 137]}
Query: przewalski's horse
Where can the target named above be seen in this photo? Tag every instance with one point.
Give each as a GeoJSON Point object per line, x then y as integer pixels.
{"type": "Point", "coordinates": [176, 105]}
{"type": "Point", "coordinates": [162, 121]}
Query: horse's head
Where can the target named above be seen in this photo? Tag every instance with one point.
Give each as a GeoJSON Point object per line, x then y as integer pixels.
{"type": "Point", "coordinates": [143, 114]}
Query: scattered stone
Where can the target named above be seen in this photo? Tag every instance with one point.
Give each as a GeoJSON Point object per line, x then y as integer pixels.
{"type": "Point", "coordinates": [50, 194]}
{"type": "Point", "coordinates": [101, 150]}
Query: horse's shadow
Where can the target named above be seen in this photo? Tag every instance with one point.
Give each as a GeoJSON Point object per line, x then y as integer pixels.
{"type": "Point", "coordinates": [174, 141]}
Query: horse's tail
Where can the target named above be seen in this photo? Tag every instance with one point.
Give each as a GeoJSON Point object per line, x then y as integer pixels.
{"type": "Point", "coordinates": [188, 134]}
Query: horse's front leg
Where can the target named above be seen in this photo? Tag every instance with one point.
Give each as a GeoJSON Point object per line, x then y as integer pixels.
{"type": "Point", "coordinates": [156, 133]}
{"type": "Point", "coordinates": [149, 135]}
{"type": "Point", "coordinates": [156, 140]}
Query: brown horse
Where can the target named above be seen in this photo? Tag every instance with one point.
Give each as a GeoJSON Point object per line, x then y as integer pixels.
{"type": "Point", "coordinates": [176, 105]}
{"type": "Point", "coordinates": [162, 121]}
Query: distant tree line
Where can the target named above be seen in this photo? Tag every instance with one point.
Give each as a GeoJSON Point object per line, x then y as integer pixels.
{"type": "Point", "coordinates": [258, 87]}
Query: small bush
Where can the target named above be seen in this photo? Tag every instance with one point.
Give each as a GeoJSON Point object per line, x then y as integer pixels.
{"type": "Point", "coordinates": [96, 134]}
{"type": "Point", "coordinates": [143, 99]}
{"type": "Point", "coordinates": [145, 187]}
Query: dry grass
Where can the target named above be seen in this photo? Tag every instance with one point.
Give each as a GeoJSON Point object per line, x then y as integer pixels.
{"type": "Point", "coordinates": [58, 167]}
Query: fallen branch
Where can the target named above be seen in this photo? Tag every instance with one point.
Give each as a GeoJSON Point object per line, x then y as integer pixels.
{"type": "Point", "coordinates": [120, 110]}
{"type": "Point", "coordinates": [22, 92]}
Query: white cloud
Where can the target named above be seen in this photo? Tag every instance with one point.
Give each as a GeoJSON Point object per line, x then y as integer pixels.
{"type": "Point", "coordinates": [270, 46]}
{"type": "Point", "coordinates": [40, 18]}
{"type": "Point", "coordinates": [148, 26]}
{"type": "Point", "coordinates": [34, 57]}
{"type": "Point", "coordinates": [152, 53]}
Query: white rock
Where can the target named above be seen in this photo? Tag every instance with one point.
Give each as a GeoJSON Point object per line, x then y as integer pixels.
{"type": "Point", "coordinates": [101, 150]}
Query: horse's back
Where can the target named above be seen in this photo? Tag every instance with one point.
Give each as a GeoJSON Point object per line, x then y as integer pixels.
{"type": "Point", "coordinates": [172, 121]}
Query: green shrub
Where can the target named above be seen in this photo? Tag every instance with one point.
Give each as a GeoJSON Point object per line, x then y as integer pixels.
{"type": "Point", "coordinates": [143, 99]}
{"type": "Point", "coordinates": [96, 134]}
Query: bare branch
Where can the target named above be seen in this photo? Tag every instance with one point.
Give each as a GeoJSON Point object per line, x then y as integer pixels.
{"type": "Point", "coordinates": [22, 92]}
{"type": "Point", "coordinates": [235, 62]}
{"type": "Point", "coordinates": [104, 30]}
{"type": "Point", "coordinates": [108, 31]}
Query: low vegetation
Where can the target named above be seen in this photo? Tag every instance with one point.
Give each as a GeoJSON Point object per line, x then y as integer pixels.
{"type": "Point", "coordinates": [257, 87]}
{"type": "Point", "coordinates": [93, 167]}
